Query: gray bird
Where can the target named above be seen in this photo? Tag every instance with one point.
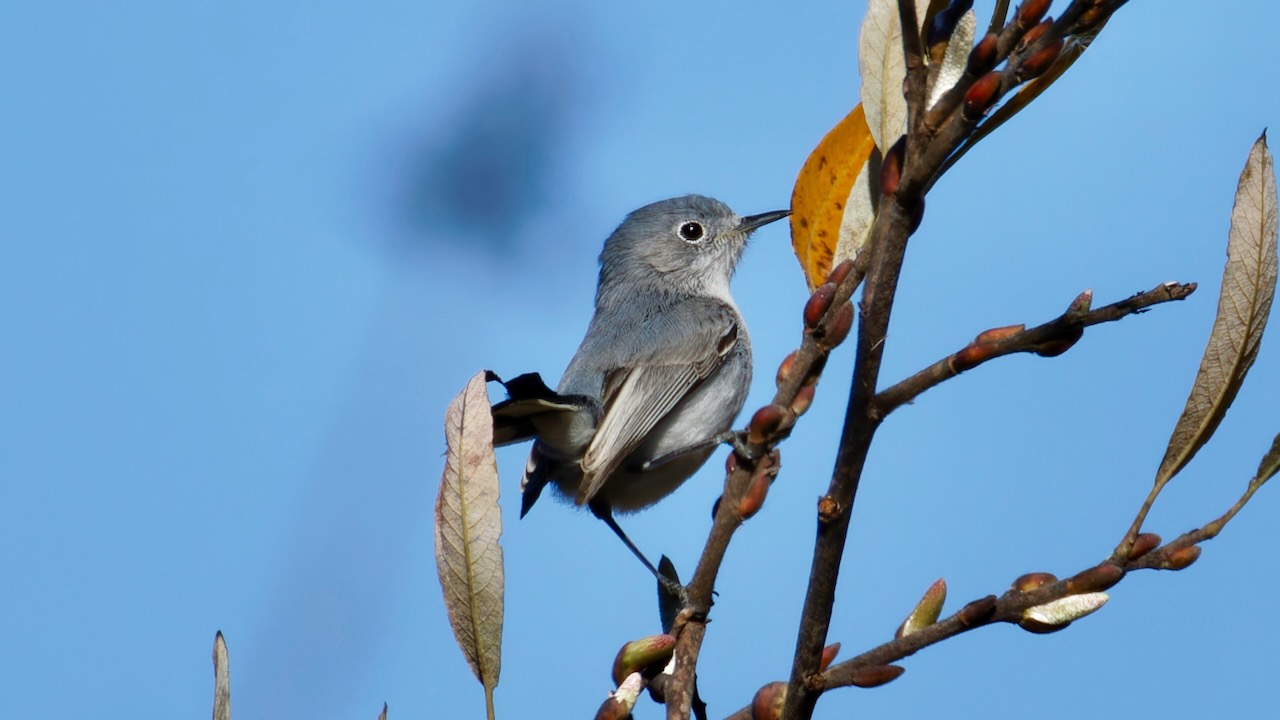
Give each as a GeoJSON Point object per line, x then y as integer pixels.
{"type": "Point", "coordinates": [660, 376]}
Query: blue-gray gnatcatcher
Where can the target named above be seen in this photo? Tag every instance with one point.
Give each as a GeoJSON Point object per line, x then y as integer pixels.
{"type": "Point", "coordinates": [659, 378]}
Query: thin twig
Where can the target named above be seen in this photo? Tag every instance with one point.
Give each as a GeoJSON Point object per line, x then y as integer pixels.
{"type": "Point", "coordinates": [1012, 606]}
{"type": "Point", "coordinates": [1048, 337]}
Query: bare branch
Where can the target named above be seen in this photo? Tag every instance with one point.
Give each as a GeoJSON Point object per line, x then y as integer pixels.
{"type": "Point", "coordinates": [1050, 339]}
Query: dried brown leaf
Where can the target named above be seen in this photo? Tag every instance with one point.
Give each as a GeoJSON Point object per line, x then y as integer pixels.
{"type": "Point", "coordinates": [221, 679]}
{"type": "Point", "coordinates": [468, 527]}
{"type": "Point", "coordinates": [1270, 464]}
{"type": "Point", "coordinates": [1248, 287]}
{"type": "Point", "coordinates": [883, 68]}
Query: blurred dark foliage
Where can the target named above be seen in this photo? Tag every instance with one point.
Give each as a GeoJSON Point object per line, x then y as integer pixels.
{"type": "Point", "coordinates": [486, 166]}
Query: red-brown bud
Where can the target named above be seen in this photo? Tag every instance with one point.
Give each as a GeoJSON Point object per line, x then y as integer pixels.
{"type": "Point", "coordinates": [784, 369]}
{"type": "Point", "coordinates": [768, 702]}
{"type": "Point", "coordinates": [1032, 581]}
{"type": "Point", "coordinates": [999, 333]}
{"type": "Point", "coordinates": [765, 423]}
{"type": "Point", "coordinates": [1030, 12]}
{"type": "Point", "coordinates": [1033, 35]}
{"type": "Point", "coordinates": [875, 676]}
{"type": "Point", "coordinates": [639, 655]}
{"type": "Point", "coordinates": [828, 654]}
{"type": "Point", "coordinates": [1091, 17]}
{"type": "Point", "coordinates": [1041, 628]}
{"type": "Point", "coordinates": [817, 305]}
{"type": "Point", "coordinates": [840, 272]}
{"type": "Point", "coordinates": [1143, 544]}
{"type": "Point", "coordinates": [891, 167]}
{"type": "Point", "coordinates": [1041, 60]}
{"type": "Point", "coordinates": [971, 356]}
{"type": "Point", "coordinates": [978, 611]}
{"type": "Point", "coordinates": [613, 709]}
{"type": "Point", "coordinates": [804, 398]}
{"type": "Point", "coordinates": [828, 509]}
{"type": "Point", "coordinates": [983, 56]}
{"type": "Point", "coordinates": [1081, 303]}
{"type": "Point", "coordinates": [1054, 348]}
{"type": "Point", "coordinates": [753, 499]}
{"type": "Point", "coordinates": [1181, 558]}
{"type": "Point", "coordinates": [839, 327]}
{"type": "Point", "coordinates": [1095, 579]}
{"type": "Point", "coordinates": [984, 93]}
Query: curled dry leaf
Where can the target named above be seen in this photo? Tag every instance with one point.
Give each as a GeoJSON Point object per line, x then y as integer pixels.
{"type": "Point", "coordinates": [221, 679]}
{"type": "Point", "coordinates": [883, 68]}
{"type": "Point", "coordinates": [1248, 287]}
{"type": "Point", "coordinates": [832, 207]}
{"type": "Point", "coordinates": [468, 526]}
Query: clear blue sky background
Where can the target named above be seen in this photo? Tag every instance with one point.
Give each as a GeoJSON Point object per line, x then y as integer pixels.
{"type": "Point", "coordinates": [249, 251]}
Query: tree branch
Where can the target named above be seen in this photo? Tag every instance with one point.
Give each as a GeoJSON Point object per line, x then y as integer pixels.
{"type": "Point", "coordinates": [1050, 339]}
{"type": "Point", "coordinates": [1029, 591]}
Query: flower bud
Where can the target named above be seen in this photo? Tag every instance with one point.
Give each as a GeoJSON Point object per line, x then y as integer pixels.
{"type": "Point", "coordinates": [803, 399]}
{"type": "Point", "coordinates": [753, 499]}
{"type": "Point", "coordinates": [639, 655]}
{"type": "Point", "coordinates": [840, 272]}
{"type": "Point", "coordinates": [839, 328]}
{"type": "Point", "coordinates": [891, 167]}
{"type": "Point", "coordinates": [784, 369]}
{"type": "Point", "coordinates": [817, 305]}
{"type": "Point", "coordinates": [828, 654]}
{"type": "Point", "coordinates": [1095, 579]}
{"type": "Point", "coordinates": [1039, 61]}
{"type": "Point", "coordinates": [1054, 348]}
{"type": "Point", "coordinates": [1143, 544]}
{"type": "Point", "coordinates": [978, 611]}
{"type": "Point", "coordinates": [1181, 558]}
{"type": "Point", "coordinates": [926, 611]}
{"type": "Point", "coordinates": [768, 702]}
{"type": "Point", "coordinates": [613, 709]}
{"type": "Point", "coordinates": [875, 676]}
{"type": "Point", "coordinates": [983, 56]}
{"type": "Point", "coordinates": [999, 333]}
{"type": "Point", "coordinates": [1032, 581]}
{"type": "Point", "coordinates": [970, 357]}
{"type": "Point", "coordinates": [1030, 12]}
{"type": "Point", "coordinates": [765, 423]}
{"type": "Point", "coordinates": [1040, 627]}
{"type": "Point", "coordinates": [1033, 35]}
{"type": "Point", "coordinates": [984, 93]}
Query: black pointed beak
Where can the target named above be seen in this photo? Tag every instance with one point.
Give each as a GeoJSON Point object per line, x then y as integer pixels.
{"type": "Point", "coordinates": [751, 222]}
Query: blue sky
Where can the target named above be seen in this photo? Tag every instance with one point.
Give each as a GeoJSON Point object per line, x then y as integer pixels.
{"type": "Point", "coordinates": [251, 250]}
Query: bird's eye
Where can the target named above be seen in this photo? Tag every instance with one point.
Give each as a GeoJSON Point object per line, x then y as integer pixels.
{"type": "Point", "coordinates": [690, 232]}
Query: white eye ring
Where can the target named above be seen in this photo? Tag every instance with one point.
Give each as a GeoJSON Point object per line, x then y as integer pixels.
{"type": "Point", "coordinates": [691, 231]}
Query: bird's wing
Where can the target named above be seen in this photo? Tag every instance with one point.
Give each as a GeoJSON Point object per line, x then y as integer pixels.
{"type": "Point", "coordinates": [636, 397]}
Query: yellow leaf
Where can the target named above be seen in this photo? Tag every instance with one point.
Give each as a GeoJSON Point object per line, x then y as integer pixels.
{"type": "Point", "coordinates": [821, 199]}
